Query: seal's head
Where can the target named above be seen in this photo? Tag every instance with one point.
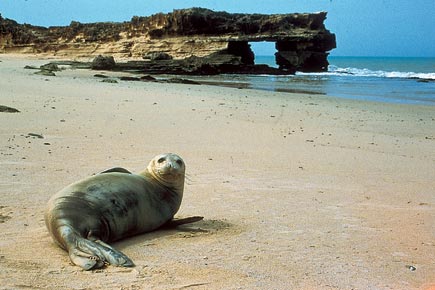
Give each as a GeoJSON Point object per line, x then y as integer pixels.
{"type": "Point", "coordinates": [168, 169]}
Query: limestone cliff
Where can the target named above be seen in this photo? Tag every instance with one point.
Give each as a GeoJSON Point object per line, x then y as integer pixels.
{"type": "Point", "coordinates": [301, 40]}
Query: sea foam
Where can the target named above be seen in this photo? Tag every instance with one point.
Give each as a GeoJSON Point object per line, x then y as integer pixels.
{"type": "Point", "coordinates": [357, 72]}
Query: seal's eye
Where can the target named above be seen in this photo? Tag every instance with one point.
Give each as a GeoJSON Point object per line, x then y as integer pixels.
{"type": "Point", "coordinates": [179, 162]}
{"type": "Point", "coordinates": [161, 160]}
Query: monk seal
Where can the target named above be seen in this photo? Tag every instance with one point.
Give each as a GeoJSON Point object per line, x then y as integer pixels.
{"type": "Point", "coordinates": [112, 205]}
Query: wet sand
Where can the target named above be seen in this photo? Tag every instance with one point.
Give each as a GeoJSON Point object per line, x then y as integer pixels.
{"type": "Point", "coordinates": [298, 191]}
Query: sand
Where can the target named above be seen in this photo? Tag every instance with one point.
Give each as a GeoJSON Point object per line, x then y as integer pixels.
{"type": "Point", "coordinates": [297, 191]}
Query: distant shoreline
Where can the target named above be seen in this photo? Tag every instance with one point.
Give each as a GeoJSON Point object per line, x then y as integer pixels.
{"type": "Point", "coordinates": [376, 85]}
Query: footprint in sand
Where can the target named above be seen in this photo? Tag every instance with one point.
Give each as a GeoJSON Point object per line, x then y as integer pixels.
{"type": "Point", "coordinates": [3, 217]}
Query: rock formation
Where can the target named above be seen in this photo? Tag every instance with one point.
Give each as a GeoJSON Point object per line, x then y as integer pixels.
{"type": "Point", "coordinates": [198, 35]}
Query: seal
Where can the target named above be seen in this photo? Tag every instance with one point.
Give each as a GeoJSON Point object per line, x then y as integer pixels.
{"type": "Point", "coordinates": [113, 205]}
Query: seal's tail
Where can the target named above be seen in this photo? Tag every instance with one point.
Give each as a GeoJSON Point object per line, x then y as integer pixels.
{"type": "Point", "coordinates": [93, 254]}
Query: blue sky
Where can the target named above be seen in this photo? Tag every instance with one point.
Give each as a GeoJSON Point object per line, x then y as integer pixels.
{"type": "Point", "coordinates": [362, 27]}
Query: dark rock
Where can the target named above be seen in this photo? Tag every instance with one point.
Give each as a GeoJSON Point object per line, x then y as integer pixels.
{"type": "Point", "coordinates": [45, 73]}
{"type": "Point", "coordinates": [148, 78]}
{"type": "Point", "coordinates": [242, 49]}
{"type": "Point", "coordinates": [50, 67]}
{"type": "Point", "coordinates": [6, 109]}
{"type": "Point", "coordinates": [302, 61]}
{"type": "Point", "coordinates": [30, 67]}
{"type": "Point", "coordinates": [216, 63]}
{"type": "Point", "coordinates": [103, 63]}
{"type": "Point", "coordinates": [157, 56]}
{"type": "Point", "coordinates": [134, 79]}
{"type": "Point", "coordinates": [100, 76]}
{"type": "Point", "coordinates": [111, 81]}
{"type": "Point", "coordinates": [182, 81]}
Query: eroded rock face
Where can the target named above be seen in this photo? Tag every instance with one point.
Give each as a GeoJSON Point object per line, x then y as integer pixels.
{"type": "Point", "coordinates": [302, 41]}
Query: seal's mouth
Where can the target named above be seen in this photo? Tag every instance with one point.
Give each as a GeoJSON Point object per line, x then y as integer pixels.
{"type": "Point", "coordinates": [164, 174]}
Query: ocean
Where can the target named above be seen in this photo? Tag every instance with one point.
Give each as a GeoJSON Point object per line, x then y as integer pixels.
{"type": "Point", "coordinates": [379, 79]}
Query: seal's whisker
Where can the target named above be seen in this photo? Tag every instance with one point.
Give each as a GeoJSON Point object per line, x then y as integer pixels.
{"type": "Point", "coordinates": [189, 179]}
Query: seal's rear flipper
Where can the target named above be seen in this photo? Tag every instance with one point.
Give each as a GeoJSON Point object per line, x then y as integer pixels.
{"type": "Point", "coordinates": [178, 222]}
{"type": "Point", "coordinates": [114, 257]}
{"type": "Point", "coordinates": [85, 260]}
{"type": "Point", "coordinates": [116, 169]}
{"type": "Point", "coordinates": [95, 254]}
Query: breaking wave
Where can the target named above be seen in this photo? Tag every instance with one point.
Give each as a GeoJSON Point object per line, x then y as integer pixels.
{"type": "Point", "coordinates": [357, 72]}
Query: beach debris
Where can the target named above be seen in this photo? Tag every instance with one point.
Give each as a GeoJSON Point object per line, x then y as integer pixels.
{"type": "Point", "coordinates": [6, 109]}
{"type": "Point", "coordinates": [411, 268]}
{"type": "Point", "coordinates": [194, 285]}
{"type": "Point", "coordinates": [100, 76]}
{"type": "Point", "coordinates": [30, 67]}
{"type": "Point", "coordinates": [110, 81]}
{"type": "Point", "coordinates": [39, 136]}
{"type": "Point", "coordinates": [4, 218]}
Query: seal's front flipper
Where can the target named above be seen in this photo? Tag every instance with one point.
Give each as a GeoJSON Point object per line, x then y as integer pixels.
{"type": "Point", "coordinates": [95, 254]}
{"type": "Point", "coordinates": [178, 222]}
{"type": "Point", "coordinates": [116, 169]}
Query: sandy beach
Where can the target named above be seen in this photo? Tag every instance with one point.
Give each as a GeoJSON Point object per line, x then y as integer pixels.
{"type": "Point", "coordinates": [297, 191]}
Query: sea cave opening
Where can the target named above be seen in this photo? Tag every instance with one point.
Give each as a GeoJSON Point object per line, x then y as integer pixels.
{"type": "Point", "coordinates": [264, 52]}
